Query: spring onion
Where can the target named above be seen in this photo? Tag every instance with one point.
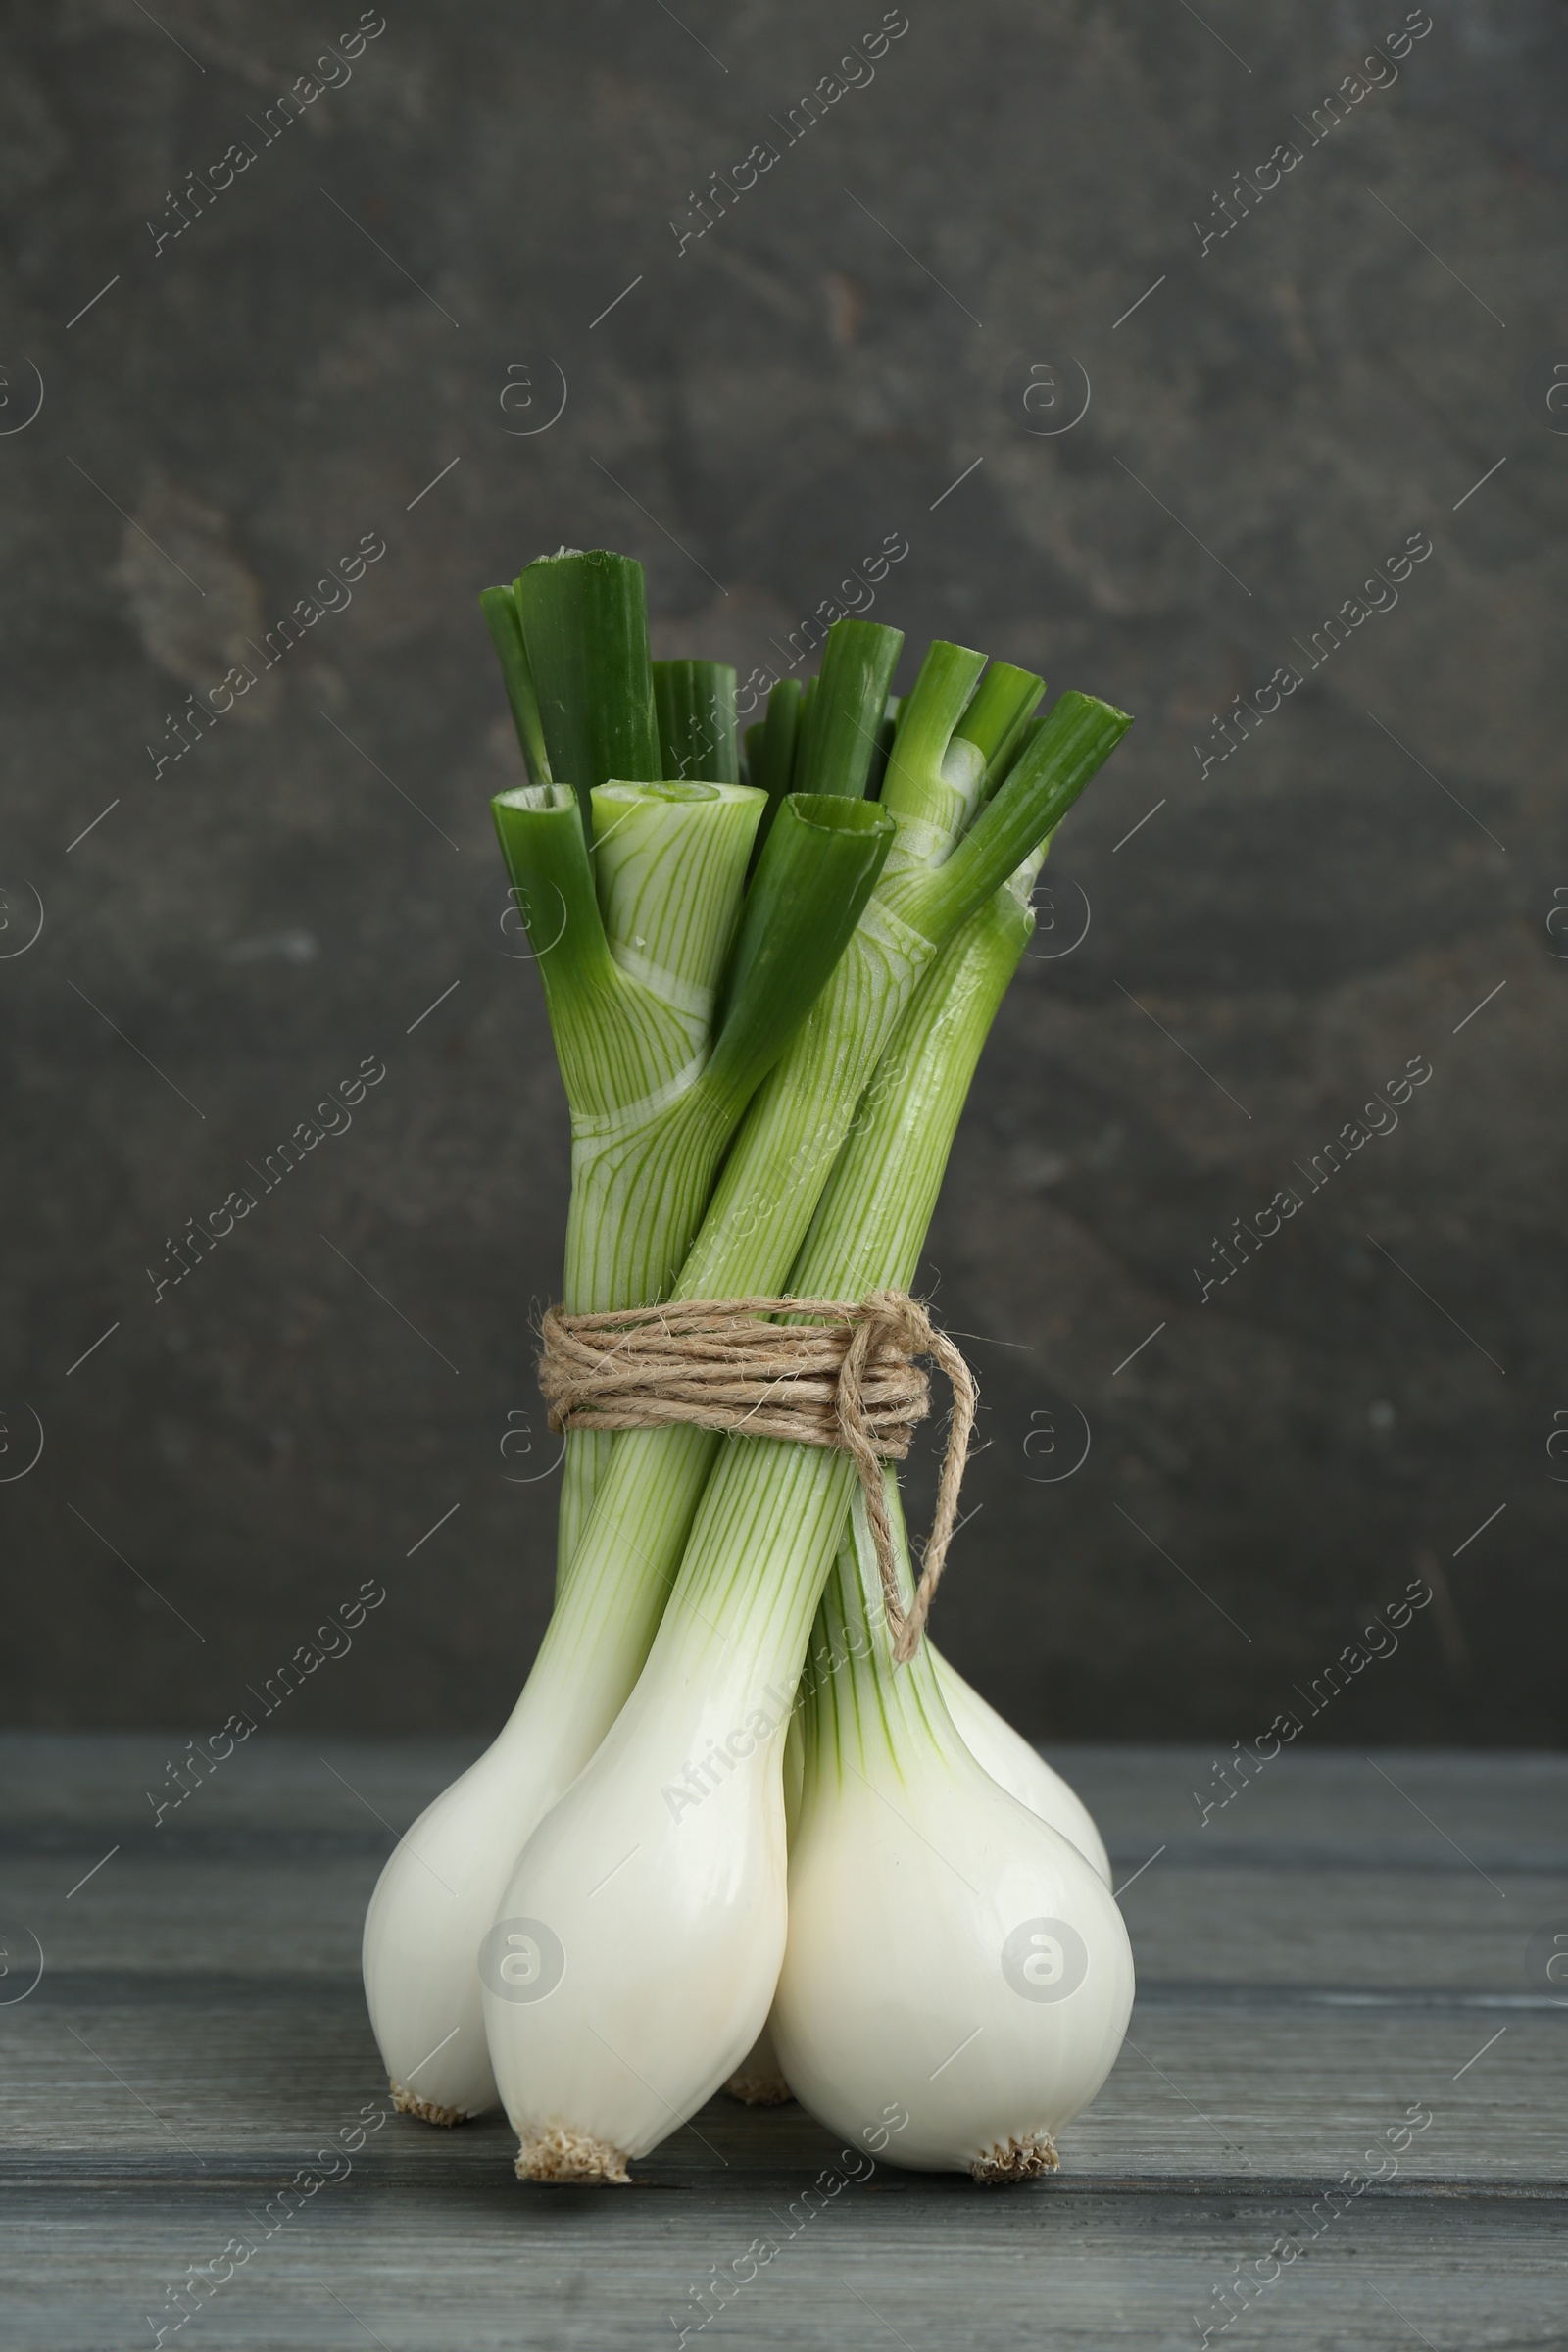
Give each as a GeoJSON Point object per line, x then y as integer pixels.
{"type": "Point", "coordinates": [1008, 1757]}
{"type": "Point", "coordinates": [669, 1000]}
{"type": "Point", "coordinates": [904, 1844]}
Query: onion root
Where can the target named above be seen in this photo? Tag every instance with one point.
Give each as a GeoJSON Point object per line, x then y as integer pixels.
{"type": "Point", "coordinates": [561, 2155]}
{"type": "Point", "coordinates": [756, 2087]}
{"type": "Point", "coordinates": [1026, 2159]}
{"type": "Point", "coordinates": [409, 2102]}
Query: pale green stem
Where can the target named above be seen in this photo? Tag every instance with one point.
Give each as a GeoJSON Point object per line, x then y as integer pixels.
{"type": "Point", "coordinates": [859, 1704]}
{"type": "Point", "coordinates": [771, 1513]}
{"type": "Point", "coordinates": [631, 976]}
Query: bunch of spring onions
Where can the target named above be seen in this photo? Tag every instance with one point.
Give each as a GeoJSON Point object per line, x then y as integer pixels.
{"type": "Point", "coordinates": [723, 1836]}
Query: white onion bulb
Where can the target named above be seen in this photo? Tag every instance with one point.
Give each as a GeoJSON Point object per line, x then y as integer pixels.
{"type": "Point", "coordinates": [950, 1958]}
{"type": "Point", "coordinates": [640, 1934]}
{"type": "Point", "coordinates": [759, 2079]}
{"type": "Point", "coordinates": [437, 1896]}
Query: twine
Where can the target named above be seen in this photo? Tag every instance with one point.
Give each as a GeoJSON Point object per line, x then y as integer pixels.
{"type": "Point", "coordinates": [848, 1380]}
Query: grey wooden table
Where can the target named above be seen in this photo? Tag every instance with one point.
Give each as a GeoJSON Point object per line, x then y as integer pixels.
{"type": "Point", "coordinates": [1353, 1945]}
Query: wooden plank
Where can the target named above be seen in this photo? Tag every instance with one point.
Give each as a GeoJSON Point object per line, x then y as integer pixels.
{"type": "Point", "coordinates": [270, 1779]}
{"type": "Point", "coordinates": [436, 2261]}
{"type": "Point", "coordinates": [1329, 1931]}
{"type": "Point", "coordinates": [1199, 2092]}
{"type": "Point", "coordinates": [1401, 1806]}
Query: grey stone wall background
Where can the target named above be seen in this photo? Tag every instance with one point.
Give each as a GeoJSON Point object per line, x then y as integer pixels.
{"type": "Point", "coordinates": [892, 332]}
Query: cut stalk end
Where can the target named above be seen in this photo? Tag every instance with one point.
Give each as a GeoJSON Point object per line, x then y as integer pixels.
{"type": "Point", "coordinates": [409, 2102]}
{"type": "Point", "coordinates": [567, 2157]}
{"type": "Point", "coordinates": [1007, 2160]}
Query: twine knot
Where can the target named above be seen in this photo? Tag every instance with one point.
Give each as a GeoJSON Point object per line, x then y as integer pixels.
{"type": "Point", "coordinates": [837, 1374]}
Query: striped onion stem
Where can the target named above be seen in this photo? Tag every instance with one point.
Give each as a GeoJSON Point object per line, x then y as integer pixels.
{"type": "Point", "coordinates": [853, 1695]}
{"type": "Point", "coordinates": [630, 947]}
{"type": "Point", "coordinates": [633, 945]}
{"type": "Point", "coordinates": [879, 1689]}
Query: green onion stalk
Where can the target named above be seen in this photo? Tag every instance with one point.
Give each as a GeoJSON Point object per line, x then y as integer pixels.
{"type": "Point", "coordinates": [904, 1839]}
{"type": "Point", "coordinates": [669, 997]}
{"type": "Point", "coordinates": [619, 2057]}
{"type": "Point", "coordinates": [669, 1001]}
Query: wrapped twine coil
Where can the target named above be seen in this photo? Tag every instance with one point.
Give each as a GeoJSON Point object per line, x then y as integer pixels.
{"type": "Point", "coordinates": [838, 1374]}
